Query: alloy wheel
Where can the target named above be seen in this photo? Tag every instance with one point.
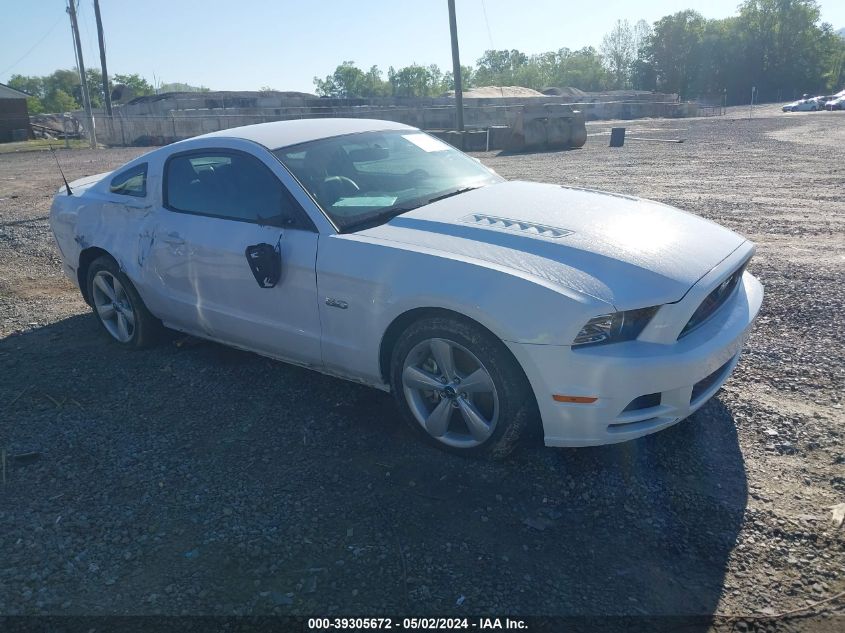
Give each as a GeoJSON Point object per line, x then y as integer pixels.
{"type": "Point", "coordinates": [450, 393]}
{"type": "Point", "coordinates": [113, 306]}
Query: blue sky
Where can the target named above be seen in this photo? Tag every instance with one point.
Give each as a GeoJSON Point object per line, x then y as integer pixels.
{"type": "Point", "coordinates": [247, 44]}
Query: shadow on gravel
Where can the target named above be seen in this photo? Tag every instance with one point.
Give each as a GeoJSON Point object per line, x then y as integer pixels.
{"type": "Point", "coordinates": [526, 152]}
{"type": "Point", "coordinates": [43, 218]}
{"type": "Point", "coordinates": [192, 478]}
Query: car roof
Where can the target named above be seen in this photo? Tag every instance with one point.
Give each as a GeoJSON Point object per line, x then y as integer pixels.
{"type": "Point", "coordinates": [285, 133]}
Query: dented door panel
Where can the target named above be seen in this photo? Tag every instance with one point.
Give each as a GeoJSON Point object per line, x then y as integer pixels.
{"type": "Point", "coordinates": [199, 281]}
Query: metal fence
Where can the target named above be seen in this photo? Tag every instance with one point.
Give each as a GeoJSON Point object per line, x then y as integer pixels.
{"type": "Point", "coordinates": [710, 108]}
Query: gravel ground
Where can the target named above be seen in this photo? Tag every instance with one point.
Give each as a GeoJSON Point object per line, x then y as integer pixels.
{"type": "Point", "coordinates": [192, 478]}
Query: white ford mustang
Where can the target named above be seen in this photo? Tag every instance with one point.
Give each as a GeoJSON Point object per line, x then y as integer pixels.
{"type": "Point", "coordinates": [375, 252]}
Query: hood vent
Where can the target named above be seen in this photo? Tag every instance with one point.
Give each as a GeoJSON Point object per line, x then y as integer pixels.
{"type": "Point", "coordinates": [539, 230]}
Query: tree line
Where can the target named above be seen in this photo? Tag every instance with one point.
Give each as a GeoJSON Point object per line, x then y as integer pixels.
{"type": "Point", "coordinates": [61, 91]}
{"type": "Point", "coordinates": [779, 47]}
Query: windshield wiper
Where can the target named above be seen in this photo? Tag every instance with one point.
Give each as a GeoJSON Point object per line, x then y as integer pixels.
{"type": "Point", "coordinates": [380, 218]}
{"type": "Point", "coordinates": [399, 209]}
{"type": "Point", "coordinates": [450, 194]}
{"type": "Point", "coordinates": [392, 212]}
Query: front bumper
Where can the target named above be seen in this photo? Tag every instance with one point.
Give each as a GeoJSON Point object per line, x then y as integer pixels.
{"type": "Point", "coordinates": [685, 373]}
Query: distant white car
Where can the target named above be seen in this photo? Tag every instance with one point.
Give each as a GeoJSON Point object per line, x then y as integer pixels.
{"type": "Point", "coordinates": [835, 104]}
{"type": "Point", "coordinates": [372, 251]}
{"type": "Point", "coordinates": [803, 105]}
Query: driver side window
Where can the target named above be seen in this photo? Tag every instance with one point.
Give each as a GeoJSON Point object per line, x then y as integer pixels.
{"type": "Point", "coordinates": [229, 185]}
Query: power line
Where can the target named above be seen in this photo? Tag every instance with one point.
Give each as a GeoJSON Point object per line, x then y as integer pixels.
{"type": "Point", "coordinates": [490, 37]}
{"type": "Point", "coordinates": [34, 46]}
{"type": "Point", "coordinates": [85, 31]}
{"type": "Point", "coordinates": [487, 22]}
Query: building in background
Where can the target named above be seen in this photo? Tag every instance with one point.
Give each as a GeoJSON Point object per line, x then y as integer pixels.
{"type": "Point", "coordinates": [14, 116]}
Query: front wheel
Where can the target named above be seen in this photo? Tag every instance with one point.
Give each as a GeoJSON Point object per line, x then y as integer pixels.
{"type": "Point", "coordinates": [118, 305]}
{"type": "Point", "coordinates": [459, 387]}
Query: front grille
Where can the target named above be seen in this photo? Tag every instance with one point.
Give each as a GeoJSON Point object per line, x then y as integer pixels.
{"type": "Point", "coordinates": [713, 301]}
{"type": "Point", "coordinates": [703, 385]}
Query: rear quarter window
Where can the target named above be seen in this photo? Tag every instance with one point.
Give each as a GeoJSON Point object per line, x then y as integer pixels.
{"type": "Point", "coordinates": [130, 182]}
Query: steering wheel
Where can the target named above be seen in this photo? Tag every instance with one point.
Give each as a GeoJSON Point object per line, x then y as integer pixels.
{"type": "Point", "coordinates": [341, 182]}
{"type": "Point", "coordinates": [419, 174]}
{"type": "Point", "coordinates": [333, 188]}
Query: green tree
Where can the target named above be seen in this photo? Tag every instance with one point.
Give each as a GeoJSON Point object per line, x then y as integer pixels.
{"type": "Point", "coordinates": [642, 72]}
{"type": "Point", "coordinates": [785, 46]}
{"type": "Point", "coordinates": [619, 51]}
{"type": "Point", "coordinates": [30, 85]}
{"type": "Point", "coordinates": [834, 58]}
{"type": "Point", "coordinates": [374, 85]}
{"type": "Point", "coordinates": [65, 80]}
{"type": "Point", "coordinates": [582, 69]}
{"type": "Point", "coordinates": [777, 46]}
{"type": "Point", "coordinates": [345, 82]}
{"type": "Point", "coordinates": [94, 79]}
{"type": "Point", "coordinates": [467, 78]}
{"type": "Point", "coordinates": [673, 49]}
{"type": "Point", "coordinates": [721, 66]}
{"type": "Point", "coordinates": [52, 93]}
{"type": "Point", "coordinates": [416, 81]}
{"type": "Point", "coordinates": [60, 101]}
{"type": "Point", "coordinates": [139, 85]}
{"type": "Point", "coordinates": [34, 105]}
{"type": "Point", "coordinates": [499, 67]}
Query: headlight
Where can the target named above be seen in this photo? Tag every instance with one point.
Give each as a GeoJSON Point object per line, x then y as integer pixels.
{"type": "Point", "coordinates": [615, 327]}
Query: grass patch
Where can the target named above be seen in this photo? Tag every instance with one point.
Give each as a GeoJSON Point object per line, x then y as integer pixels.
{"type": "Point", "coordinates": [42, 144]}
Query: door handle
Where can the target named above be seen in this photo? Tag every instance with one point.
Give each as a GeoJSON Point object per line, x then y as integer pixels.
{"type": "Point", "coordinates": [173, 238]}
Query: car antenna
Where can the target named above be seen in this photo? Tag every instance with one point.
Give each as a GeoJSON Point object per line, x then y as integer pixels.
{"type": "Point", "coordinates": [56, 158]}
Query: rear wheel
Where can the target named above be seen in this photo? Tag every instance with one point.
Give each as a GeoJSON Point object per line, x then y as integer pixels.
{"type": "Point", "coordinates": [118, 306]}
{"type": "Point", "coordinates": [459, 387]}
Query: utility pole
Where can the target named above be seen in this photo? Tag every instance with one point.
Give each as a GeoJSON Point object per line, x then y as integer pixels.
{"type": "Point", "coordinates": [86, 98]}
{"type": "Point", "coordinates": [101, 39]}
{"type": "Point", "coordinates": [456, 66]}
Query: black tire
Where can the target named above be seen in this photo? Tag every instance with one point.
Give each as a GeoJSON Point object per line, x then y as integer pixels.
{"type": "Point", "coordinates": [146, 329]}
{"type": "Point", "coordinates": [517, 408]}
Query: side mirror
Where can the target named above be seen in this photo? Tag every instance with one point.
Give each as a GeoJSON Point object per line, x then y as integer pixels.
{"type": "Point", "coordinates": [265, 262]}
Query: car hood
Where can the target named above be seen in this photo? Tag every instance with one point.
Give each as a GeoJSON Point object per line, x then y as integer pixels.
{"type": "Point", "coordinates": [626, 251]}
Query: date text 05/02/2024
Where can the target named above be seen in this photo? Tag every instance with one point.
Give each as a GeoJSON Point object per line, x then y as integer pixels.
{"type": "Point", "coordinates": [411, 624]}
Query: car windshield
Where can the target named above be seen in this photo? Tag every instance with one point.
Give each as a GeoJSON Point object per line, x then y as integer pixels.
{"type": "Point", "coordinates": [364, 179]}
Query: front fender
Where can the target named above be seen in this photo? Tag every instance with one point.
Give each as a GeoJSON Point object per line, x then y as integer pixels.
{"type": "Point", "coordinates": [380, 282]}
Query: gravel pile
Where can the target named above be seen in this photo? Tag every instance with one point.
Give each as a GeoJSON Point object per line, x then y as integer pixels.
{"type": "Point", "coordinates": [192, 478]}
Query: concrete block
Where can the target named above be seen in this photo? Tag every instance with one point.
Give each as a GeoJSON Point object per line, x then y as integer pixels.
{"type": "Point", "coordinates": [475, 141]}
